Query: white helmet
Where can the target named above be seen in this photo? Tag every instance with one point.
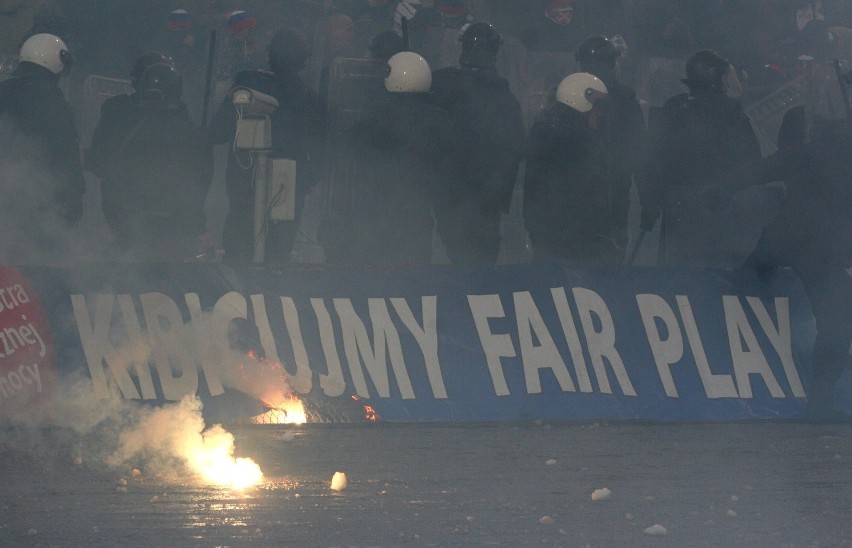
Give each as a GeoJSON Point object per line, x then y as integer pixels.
{"type": "Point", "coordinates": [46, 50]}
{"type": "Point", "coordinates": [580, 90]}
{"type": "Point", "coordinates": [409, 73]}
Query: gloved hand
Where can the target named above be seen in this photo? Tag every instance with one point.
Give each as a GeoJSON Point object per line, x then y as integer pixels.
{"type": "Point", "coordinates": [648, 218]}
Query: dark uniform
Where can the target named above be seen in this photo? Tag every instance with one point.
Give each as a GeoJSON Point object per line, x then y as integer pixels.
{"type": "Point", "coordinates": [155, 166]}
{"type": "Point", "coordinates": [622, 132]}
{"type": "Point", "coordinates": [41, 180]}
{"type": "Point", "coordinates": [297, 128]}
{"type": "Point", "coordinates": [116, 115]}
{"type": "Point", "coordinates": [567, 202]}
{"type": "Point", "coordinates": [813, 235]}
{"type": "Point", "coordinates": [469, 204]}
{"type": "Point", "coordinates": [399, 153]}
{"type": "Point", "coordinates": [704, 136]}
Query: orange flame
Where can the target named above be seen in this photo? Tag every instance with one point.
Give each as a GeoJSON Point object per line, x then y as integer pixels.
{"type": "Point", "coordinates": [370, 414]}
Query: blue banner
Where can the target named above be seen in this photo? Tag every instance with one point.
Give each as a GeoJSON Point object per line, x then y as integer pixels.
{"type": "Point", "coordinates": [521, 342]}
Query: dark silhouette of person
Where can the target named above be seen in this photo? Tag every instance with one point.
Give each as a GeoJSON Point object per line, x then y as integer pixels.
{"type": "Point", "coordinates": [623, 132]}
{"type": "Point", "coordinates": [812, 233]}
{"type": "Point", "coordinates": [402, 148]}
{"type": "Point", "coordinates": [567, 201]}
{"type": "Point", "coordinates": [703, 135]}
{"type": "Point", "coordinates": [156, 166]}
{"type": "Point", "coordinates": [468, 207]}
{"type": "Point", "coordinates": [41, 184]}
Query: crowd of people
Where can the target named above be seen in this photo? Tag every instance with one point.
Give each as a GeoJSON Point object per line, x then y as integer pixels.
{"type": "Point", "coordinates": [406, 145]}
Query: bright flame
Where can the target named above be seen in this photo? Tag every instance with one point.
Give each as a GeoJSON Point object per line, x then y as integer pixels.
{"type": "Point", "coordinates": [178, 431]}
{"type": "Point", "coordinates": [214, 461]}
{"type": "Point", "coordinates": [290, 410]}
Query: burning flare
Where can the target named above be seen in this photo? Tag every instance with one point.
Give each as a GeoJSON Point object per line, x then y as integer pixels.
{"type": "Point", "coordinates": [177, 431]}
{"type": "Point", "coordinates": [290, 410]}
{"type": "Point", "coordinates": [214, 461]}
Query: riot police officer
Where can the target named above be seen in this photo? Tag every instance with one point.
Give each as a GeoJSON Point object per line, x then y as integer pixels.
{"type": "Point", "coordinates": [623, 133]}
{"type": "Point", "coordinates": [157, 168]}
{"type": "Point", "coordinates": [469, 204]}
{"type": "Point", "coordinates": [41, 184]}
{"type": "Point", "coordinates": [112, 124]}
{"type": "Point", "coordinates": [704, 135]}
{"type": "Point", "coordinates": [402, 148]}
{"type": "Point", "coordinates": [567, 202]}
{"type": "Point", "coordinates": [812, 233]}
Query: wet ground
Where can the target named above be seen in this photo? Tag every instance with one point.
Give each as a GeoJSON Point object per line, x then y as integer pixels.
{"type": "Point", "coordinates": [757, 484]}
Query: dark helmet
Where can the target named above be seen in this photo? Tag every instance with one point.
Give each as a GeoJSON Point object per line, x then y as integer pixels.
{"type": "Point", "coordinates": [161, 82]}
{"type": "Point", "coordinates": [481, 35]}
{"type": "Point", "coordinates": [386, 44]}
{"type": "Point", "coordinates": [480, 43]}
{"type": "Point", "coordinates": [597, 51]}
{"type": "Point", "coordinates": [145, 61]}
{"type": "Point", "coordinates": [705, 71]}
{"type": "Point", "coordinates": [288, 52]}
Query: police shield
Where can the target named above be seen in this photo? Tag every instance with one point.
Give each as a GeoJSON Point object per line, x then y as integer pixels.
{"type": "Point", "coordinates": [767, 114]}
{"type": "Point", "coordinates": [696, 234]}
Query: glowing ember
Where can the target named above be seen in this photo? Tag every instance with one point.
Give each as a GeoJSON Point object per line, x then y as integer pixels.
{"type": "Point", "coordinates": [370, 414]}
{"type": "Point", "coordinates": [213, 460]}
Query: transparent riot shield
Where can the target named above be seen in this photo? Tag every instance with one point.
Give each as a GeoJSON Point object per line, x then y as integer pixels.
{"type": "Point", "coordinates": [767, 113]}
{"type": "Point", "coordinates": [96, 90]}
{"type": "Point", "coordinates": [695, 234]}
{"type": "Point", "coordinates": [354, 86]}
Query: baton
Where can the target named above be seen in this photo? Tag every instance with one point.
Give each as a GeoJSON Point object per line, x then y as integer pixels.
{"type": "Point", "coordinates": [211, 55]}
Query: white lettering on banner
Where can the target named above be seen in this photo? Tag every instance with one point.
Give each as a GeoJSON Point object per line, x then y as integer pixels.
{"type": "Point", "coordinates": [122, 342]}
{"type": "Point", "coordinates": [747, 356]}
{"type": "Point", "coordinates": [139, 346]}
{"type": "Point", "coordinates": [267, 341]}
{"type": "Point", "coordinates": [780, 338]}
{"type": "Point", "coordinates": [426, 337]}
{"type": "Point", "coordinates": [13, 339]}
{"type": "Point", "coordinates": [545, 355]}
{"type": "Point", "coordinates": [715, 385]}
{"type": "Point", "coordinates": [666, 351]}
{"type": "Point", "coordinates": [484, 307]}
{"type": "Point", "coordinates": [98, 349]}
{"type": "Point", "coordinates": [208, 353]}
{"type": "Point", "coordinates": [600, 343]}
{"type": "Point", "coordinates": [569, 329]}
{"type": "Point", "coordinates": [302, 381]}
{"type": "Point", "coordinates": [13, 381]}
{"type": "Point", "coordinates": [356, 345]}
{"type": "Point", "coordinates": [12, 297]}
{"type": "Point", "coordinates": [170, 346]}
{"type": "Point", "coordinates": [333, 384]}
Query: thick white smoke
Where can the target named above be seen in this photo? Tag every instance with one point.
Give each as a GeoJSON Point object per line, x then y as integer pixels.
{"type": "Point", "coordinates": [169, 442]}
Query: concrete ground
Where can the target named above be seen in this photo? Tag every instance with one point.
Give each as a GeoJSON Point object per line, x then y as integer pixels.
{"type": "Point", "coordinates": [738, 484]}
